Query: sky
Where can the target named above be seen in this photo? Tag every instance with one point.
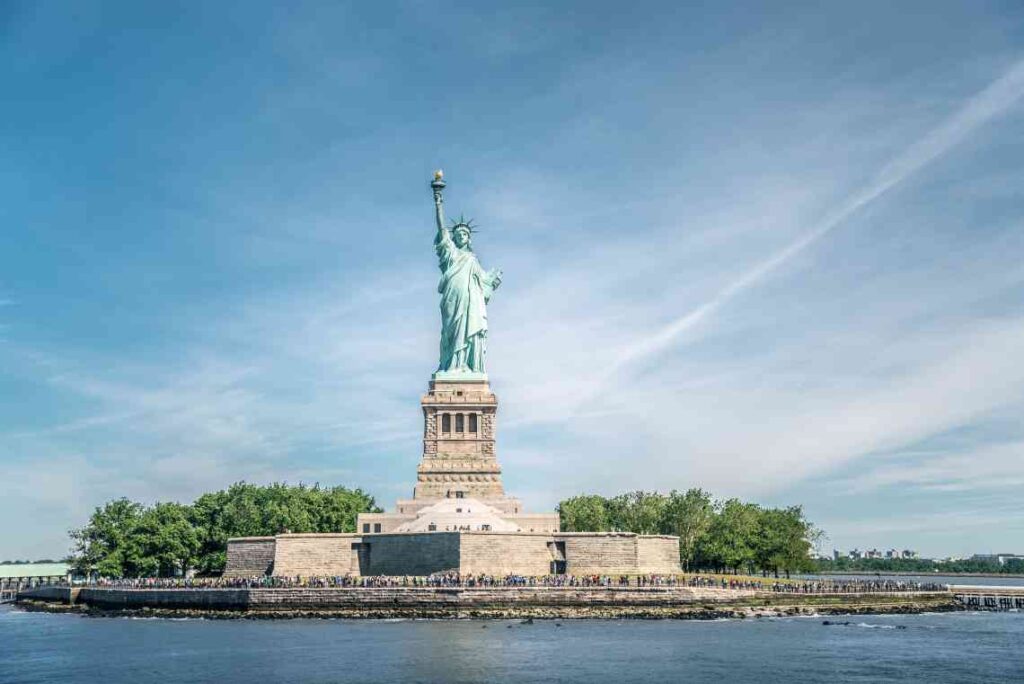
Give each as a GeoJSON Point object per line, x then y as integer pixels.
{"type": "Point", "coordinates": [774, 250]}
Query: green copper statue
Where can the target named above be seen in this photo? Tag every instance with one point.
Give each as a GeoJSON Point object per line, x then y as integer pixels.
{"type": "Point", "coordinates": [465, 289]}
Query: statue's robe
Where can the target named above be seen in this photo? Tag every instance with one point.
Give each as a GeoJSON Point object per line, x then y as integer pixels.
{"type": "Point", "coordinates": [465, 289]}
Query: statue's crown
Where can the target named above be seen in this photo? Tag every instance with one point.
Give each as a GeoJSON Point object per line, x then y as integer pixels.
{"type": "Point", "coordinates": [464, 223]}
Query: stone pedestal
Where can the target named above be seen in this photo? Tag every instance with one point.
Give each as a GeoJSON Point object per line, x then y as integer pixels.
{"type": "Point", "coordinates": [458, 442]}
{"type": "Point", "coordinates": [458, 460]}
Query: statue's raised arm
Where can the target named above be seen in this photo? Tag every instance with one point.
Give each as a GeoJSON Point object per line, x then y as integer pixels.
{"type": "Point", "coordinates": [465, 289]}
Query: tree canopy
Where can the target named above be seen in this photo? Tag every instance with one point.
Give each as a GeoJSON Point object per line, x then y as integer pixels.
{"type": "Point", "coordinates": [127, 539]}
{"type": "Point", "coordinates": [713, 535]}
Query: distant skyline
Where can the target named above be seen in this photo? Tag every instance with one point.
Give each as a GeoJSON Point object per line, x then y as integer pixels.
{"type": "Point", "coordinates": [774, 250]}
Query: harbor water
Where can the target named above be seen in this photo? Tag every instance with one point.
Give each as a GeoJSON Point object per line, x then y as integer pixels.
{"type": "Point", "coordinates": [949, 647]}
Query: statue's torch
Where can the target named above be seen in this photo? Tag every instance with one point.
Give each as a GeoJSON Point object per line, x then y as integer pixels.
{"type": "Point", "coordinates": [438, 185]}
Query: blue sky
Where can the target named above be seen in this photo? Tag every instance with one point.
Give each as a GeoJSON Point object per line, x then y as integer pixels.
{"type": "Point", "coordinates": [774, 250]}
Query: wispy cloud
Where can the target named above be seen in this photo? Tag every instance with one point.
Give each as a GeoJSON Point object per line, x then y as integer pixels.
{"type": "Point", "coordinates": [986, 467]}
{"type": "Point", "coordinates": [994, 100]}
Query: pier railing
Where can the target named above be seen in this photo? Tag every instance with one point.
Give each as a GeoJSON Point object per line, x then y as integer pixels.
{"type": "Point", "coordinates": [988, 598]}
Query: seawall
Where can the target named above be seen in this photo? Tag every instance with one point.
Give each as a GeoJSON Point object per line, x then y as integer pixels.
{"type": "Point", "coordinates": [461, 602]}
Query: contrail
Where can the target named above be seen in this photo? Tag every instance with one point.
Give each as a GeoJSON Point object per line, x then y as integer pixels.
{"type": "Point", "coordinates": [978, 110]}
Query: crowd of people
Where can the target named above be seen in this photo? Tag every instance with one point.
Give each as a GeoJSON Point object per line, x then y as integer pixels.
{"type": "Point", "coordinates": [854, 587]}
{"type": "Point", "coordinates": [453, 579]}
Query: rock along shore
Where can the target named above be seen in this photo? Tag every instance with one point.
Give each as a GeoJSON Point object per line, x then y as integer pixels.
{"type": "Point", "coordinates": [467, 603]}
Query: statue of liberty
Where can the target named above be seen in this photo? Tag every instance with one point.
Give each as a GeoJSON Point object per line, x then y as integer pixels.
{"type": "Point", "coordinates": [465, 289]}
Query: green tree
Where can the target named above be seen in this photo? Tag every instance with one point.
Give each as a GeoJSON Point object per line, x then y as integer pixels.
{"type": "Point", "coordinates": [126, 539]}
{"type": "Point", "coordinates": [783, 541]}
{"type": "Point", "coordinates": [771, 542]}
{"type": "Point", "coordinates": [207, 513]}
{"type": "Point", "coordinates": [168, 543]}
{"type": "Point", "coordinates": [729, 543]}
{"type": "Point", "coordinates": [1013, 566]}
{"type": "Point", "coordinates": [689, 516]}
{"type": "Point", "coordinates": [105, 545]}
{"type": "Point", "coordinates": [638, 511]}
{"type": "Point", "coordinates": [584, 513]}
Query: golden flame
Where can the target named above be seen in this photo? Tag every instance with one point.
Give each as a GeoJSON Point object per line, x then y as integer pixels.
{"type": "Point", "coordinates": [438, 175]}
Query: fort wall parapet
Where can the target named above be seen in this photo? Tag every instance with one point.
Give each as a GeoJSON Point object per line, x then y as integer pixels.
{"type": "Point", "coordinates": [464, 552]}
{"type": "Point", "coordinates": [249, 556]}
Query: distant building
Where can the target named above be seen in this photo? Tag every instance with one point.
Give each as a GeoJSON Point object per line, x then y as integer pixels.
{"type": "Point", "coordinates": [17, 576]}
{"type": "Point", "coordinates": [856, 554]}
{"type": "Point", "coordinates": [34, 570]}
{"type": "Point", "coordinates": [1000, 558]}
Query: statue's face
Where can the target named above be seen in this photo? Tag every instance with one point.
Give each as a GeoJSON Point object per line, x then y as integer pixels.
{"type": "Point", "coordinates": [461, 237]}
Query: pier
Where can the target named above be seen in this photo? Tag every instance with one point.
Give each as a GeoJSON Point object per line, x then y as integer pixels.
{"type": "Point", "coordinates": [988, 598]}
{"type": "Point", "coordinates": [19, 577]}
{"type": "Point", "coordinates": [10, 586]}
